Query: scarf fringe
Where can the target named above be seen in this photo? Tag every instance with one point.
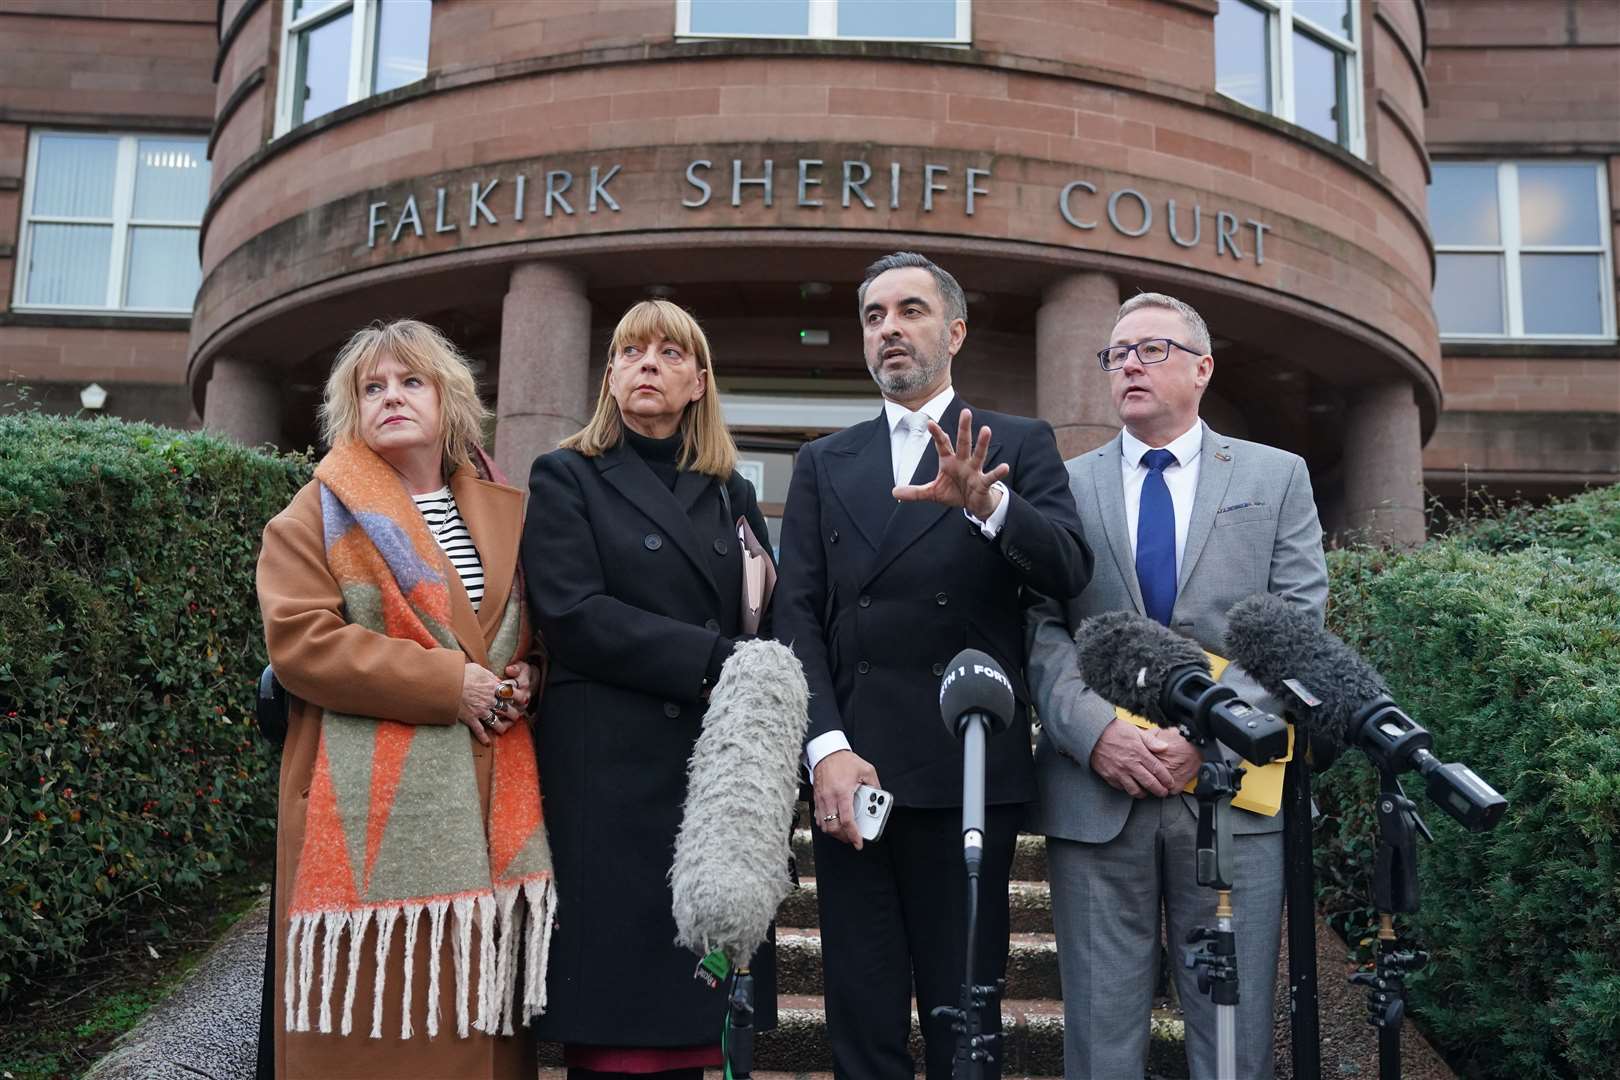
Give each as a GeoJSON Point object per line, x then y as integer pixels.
{"type": "Point", "coordinates": [385, 942]}
{"type": "Point", "coordinates": [503, 927]}
{"type": "Point", "coordinates": [461, 952]}
{"type": "Point", "coordinates": [336, 923]}
{"type": "Point", "coordinates": [413, 922]}
{"type": "Point", "coordinates": [437, 909]}
{"type": "Point", "coordinates": [306, 967]}
{"type": "Point", "coordinates": [357, 935]}
{"type": "Point", "coordinates": [540, 895]}
{"type": "Point", "coordinates": [505, 949]}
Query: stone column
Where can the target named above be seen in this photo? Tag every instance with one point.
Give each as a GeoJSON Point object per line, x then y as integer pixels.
{"type": "Point", "coordinates": [1383, 466]}
{"type": "Point", "coordinates": [243, 402]}
{"type": "Point", "coordinates": [545, 360]}
{"type": "Point", "coordinates": [1071, 390]}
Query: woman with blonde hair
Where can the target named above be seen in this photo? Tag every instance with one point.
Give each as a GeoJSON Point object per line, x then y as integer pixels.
{"type": "Point", "coordinates": [413, 879]}
{"type": "Point", "coordinates": [635, 575]}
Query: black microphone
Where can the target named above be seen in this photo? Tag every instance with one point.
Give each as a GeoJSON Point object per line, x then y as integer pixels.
{"type": "Point", "coordinates": [1144, 668]}
{"type": "Point", "coordinates": [1276, 642]}
{"type": "Point", "coordinates": [975, 699]}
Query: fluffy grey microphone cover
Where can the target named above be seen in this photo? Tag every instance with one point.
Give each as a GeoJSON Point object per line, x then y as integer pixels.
{"type": "Point", "coordinates": [1275, 640]}
{"type": "Point", "coordinates": [1127, 659]}
{"type": "Point", "coordinates": [731, 855]}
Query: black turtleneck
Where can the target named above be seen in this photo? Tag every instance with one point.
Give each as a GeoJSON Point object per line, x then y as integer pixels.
{"type": "Point", "coordinates": [659, 454]}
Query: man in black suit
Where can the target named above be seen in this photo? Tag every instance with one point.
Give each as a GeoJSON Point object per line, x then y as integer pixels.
{"type": "Point", "coordinates": [898, 551]}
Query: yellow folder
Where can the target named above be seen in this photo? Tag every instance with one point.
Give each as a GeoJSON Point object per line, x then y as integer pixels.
{"type": "Point", "coordinates": [1260, 790]}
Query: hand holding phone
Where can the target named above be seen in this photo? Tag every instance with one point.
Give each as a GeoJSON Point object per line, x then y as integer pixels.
{"type": "Point", "coordinates": [872, 806]}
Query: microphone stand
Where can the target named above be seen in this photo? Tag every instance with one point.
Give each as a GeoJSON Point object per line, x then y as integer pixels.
{"type": "Point", "coordinates": [974, 1046]}
{"type": "Point", "coordinates": [1212, 953]}
{"type": "Point", "coordinates": [1300, 885]}
{"type": "Point", "coordinates": [739, 1032]}
{"type": "Point", "coordinates": [1395, 890]}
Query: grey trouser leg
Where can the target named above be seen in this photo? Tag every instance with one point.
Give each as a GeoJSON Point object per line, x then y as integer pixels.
{"type": "Point", "coordinates": [1105, 909]}
{"type": "Point", "coordinates": [1106, 900]}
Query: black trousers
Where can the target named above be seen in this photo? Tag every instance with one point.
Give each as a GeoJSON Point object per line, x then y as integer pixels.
{"type": "Point", "coordinates": [894, 918]}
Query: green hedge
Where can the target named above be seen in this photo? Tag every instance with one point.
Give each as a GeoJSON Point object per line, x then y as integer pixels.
{"type": "Point", "coordinates": [1508, 649]}
{"type": "Point", "coordinates": [1584, 527]}
{"type": "Point", "coordinates": [130, 768]}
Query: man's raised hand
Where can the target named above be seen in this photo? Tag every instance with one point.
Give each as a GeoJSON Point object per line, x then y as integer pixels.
{"type": "Point", "coordinates": [962, 480]}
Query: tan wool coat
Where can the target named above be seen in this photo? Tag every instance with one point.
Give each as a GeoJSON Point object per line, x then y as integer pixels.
{"type": "Point", "coordinates": [327, 662]}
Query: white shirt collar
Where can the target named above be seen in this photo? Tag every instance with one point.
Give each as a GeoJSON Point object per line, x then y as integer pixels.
{"type": "Point", "coordinates": [933, 408]}
{"type": "Point", "coordinates": [1185, 446]}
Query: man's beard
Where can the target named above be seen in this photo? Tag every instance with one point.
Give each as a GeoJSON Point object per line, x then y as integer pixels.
{"type": "Point", "coordinates": [903, 384]}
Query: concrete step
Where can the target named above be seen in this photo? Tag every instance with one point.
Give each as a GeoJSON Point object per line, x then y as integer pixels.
{"type": "Point", "coordinates": [1032, 966]}
{"type": "Point", "coordinates": [1032, 1039]}
{"type": "Point", "coordinates": [1029, 857]}
{"type": "Point", "coordinates": [1030, 907]}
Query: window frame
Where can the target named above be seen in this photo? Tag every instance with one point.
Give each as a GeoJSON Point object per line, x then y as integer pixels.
{"type": "Point", "coordinates": [122, 221]}
{"type": "Point", "coordinates": [1283, 19]}
{"type": "Point", "coordinates": [823, 26]}
{"type": "Point", "coordinates": [362, 55]}
{"type": "Point", "coordinates": [1512, 249]}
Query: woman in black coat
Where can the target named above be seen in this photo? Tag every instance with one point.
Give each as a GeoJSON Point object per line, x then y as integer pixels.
{"type": "Point", "coordinates": [634, 572]}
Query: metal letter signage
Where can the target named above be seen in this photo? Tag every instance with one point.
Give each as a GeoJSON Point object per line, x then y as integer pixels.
{"type": "Point", "coordinates": [928, 186]}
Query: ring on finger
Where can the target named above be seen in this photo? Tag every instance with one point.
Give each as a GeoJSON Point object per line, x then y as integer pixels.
{"type": "Point", "coordinates": [488, 719]}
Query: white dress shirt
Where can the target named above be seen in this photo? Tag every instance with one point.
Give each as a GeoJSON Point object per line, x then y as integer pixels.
{"type": "Point", "coordinates": [1181, 478]}
{"type": "Point", "coordinates": [908, 438]}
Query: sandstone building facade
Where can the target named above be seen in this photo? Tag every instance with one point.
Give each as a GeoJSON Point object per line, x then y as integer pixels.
{"type": "Point", "coordinates": [1398, 216]}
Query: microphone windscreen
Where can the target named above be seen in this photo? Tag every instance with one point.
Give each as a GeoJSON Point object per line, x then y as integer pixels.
{"type": "Point", "coordinates": [974, 683]}
{"type": "Point", "coordinates": [1127, 660]}
{"type": "Point", "coordinates": [1274, 640]}
{"type": "Point", "coordinates": [731, 855]}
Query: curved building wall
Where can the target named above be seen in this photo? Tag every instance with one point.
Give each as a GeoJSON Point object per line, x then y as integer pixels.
{"type": "Point", "coordinates": [1336, 233]}
{"type": "Point", "coordinates": [1071, 154]}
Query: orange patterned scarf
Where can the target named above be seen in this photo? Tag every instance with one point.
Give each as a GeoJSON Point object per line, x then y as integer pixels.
{"type": "Point", "coordinates": [394, 829]}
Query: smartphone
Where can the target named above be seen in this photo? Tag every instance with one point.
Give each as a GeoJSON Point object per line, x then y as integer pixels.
{"type": "Point", "coordinates": [872, 806]}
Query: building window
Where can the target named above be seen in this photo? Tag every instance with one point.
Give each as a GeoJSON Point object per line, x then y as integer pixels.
{"type": "Point", "coordinates": [946, 22]}
{"type": "Point", "coordinates": [110, 222]}
{"type": "Point", "coordinates": [1296, 59]}
{"type": "Point", "coordinates": [337, 51]}
{"type": "Point", "coordinates": [1521, 249]}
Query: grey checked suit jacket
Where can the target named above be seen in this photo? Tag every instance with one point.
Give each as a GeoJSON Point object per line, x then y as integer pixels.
{"type": "Point", "coordinates": [1254, 529]}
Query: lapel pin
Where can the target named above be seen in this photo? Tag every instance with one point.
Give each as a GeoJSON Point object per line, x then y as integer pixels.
{"type": "Point", "coordinates": [1222, 455]}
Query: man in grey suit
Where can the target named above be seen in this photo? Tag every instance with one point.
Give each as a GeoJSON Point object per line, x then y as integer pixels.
{"type": "Point", "coordinates": [1187, 523]}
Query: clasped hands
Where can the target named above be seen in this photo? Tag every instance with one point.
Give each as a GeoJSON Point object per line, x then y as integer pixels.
{"type": "Point", "coordinates": [962, 480]}
{"type": "Point", "coordinates": [490, 705]}
{"type": "Point", "coordinates": [1157, 762]}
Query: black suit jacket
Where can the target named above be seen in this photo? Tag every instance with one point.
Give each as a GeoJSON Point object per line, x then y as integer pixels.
{"type": "Point", "coordinates": [876, 597]}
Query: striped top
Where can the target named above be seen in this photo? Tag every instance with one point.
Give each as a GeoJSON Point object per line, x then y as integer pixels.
{"type": "Point", "coordinates": [444, 522]}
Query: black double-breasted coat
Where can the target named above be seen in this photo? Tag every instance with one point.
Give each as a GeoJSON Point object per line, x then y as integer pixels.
{"type": "Point", "coordinates": [877, 597]}
{"type": "Point", "coordinates": [630, 585]}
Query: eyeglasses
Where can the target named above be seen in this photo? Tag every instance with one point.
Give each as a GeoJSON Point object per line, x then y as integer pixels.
{"type": "Point", "coordinates": [1151, 351]}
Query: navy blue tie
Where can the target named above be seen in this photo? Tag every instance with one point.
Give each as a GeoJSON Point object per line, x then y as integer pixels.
{"type": "Point", "coordinates": [1156, 539]}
